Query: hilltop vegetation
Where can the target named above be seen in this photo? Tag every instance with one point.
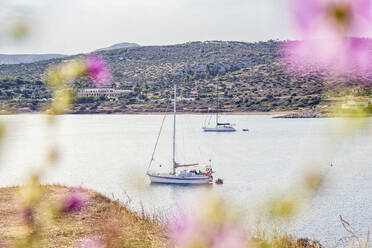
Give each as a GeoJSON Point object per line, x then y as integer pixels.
{"type": "Point", "coordinates": [251, 77]}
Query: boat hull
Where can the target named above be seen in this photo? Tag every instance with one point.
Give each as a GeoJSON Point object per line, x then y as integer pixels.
{"type": "Point", "coordinates": [173, 179]}
{"type": "Point", "coordinates": [219, 129]}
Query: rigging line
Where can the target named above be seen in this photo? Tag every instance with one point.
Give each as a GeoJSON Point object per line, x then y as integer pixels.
{"type": "Point", "coordinates": [183, 142]}
{"type": "Point", "coordinates": [157, 139]}
{"type": "Point", "coordinates": [183, 127]}
{"type": "Point", "coordinates": [206, 118]}
{"type": "Point", "coordinates": [200, 153]}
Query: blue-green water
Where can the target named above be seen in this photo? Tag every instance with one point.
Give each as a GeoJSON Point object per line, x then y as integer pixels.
{"type": "Point", "coordinates": [110, 154]}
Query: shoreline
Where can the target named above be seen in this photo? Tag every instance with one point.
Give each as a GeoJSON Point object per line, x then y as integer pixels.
{"type": "Point", "coordinates": [271, 113]}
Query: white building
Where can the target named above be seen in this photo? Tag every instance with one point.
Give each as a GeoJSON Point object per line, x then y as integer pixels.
{"type": "Point", "coordinates": [110, 92]}
{"type": "Point", "coordinates": [355, 104]}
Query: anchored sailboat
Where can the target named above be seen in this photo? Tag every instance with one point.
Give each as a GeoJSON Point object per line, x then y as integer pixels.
{"type": "Point", "coordinates": [220, 127]}
{"type": "Point", "coordinates": [181, 173]}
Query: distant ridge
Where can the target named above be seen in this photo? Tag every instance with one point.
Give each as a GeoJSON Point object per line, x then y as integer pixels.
{"type": "Point", "coordinates": [7, 59]}
{"type": "Point", "coordinates": [11, 59]}
{"type": "Point", "coordinates": [118, 46]}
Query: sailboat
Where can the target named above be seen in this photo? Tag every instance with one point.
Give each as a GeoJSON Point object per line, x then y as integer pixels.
{"type": "Point", "coordinates": [220, 127]}
{"type": "Point", "coordinates": [181, 173]}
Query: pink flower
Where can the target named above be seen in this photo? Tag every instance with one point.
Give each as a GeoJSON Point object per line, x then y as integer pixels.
{"type": "Point", "coordinates": [184, 229]}
{"type": "Point", "coordinates": [74, 200]}
{"type": "Point", "coordinates": [324, 25]}
{"type": "Point", "coordinates": [230, 236]}
{"type": "Point", "coordinates": [326, 18]}
{"type": "Point", "coordinates": [92, 242]}
{"type": "Point", "coordinates": [344, 56]}
{"type": "Point", "coordinates": [98, 70]}
{"type": "Point", "coordinates": [192, 230]}
{"type": "Point", "coordinates": [26, 213]}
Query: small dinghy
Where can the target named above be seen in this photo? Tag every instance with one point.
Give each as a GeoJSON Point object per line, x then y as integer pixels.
{"type": "Point", "coordinates": [219, 181]}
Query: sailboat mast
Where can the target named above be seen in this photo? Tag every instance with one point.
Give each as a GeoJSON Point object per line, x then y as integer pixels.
{"type": "Point", "coordinates": [174, 128]}
{"type": "Point", "coordinates": [217, 104]}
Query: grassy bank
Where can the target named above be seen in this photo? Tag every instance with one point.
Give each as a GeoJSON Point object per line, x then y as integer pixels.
{"type": "Point", "coordinates": [99, 216]}
{"type": "Point", "coordinates": [103, 218]}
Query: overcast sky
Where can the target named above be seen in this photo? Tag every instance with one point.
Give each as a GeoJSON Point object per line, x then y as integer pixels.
{"type": "Point", "coordinates": [76, 26]}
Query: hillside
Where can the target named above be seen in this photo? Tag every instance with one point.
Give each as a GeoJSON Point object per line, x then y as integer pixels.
{"type": "Point", "coordinates": [251, 77]}
{"type": "Point", "coordinates": [100, 217]}
{"type": "Point", "coordinates": [109, 223]}
{"type": "Point", "coordinates": [26, 58]}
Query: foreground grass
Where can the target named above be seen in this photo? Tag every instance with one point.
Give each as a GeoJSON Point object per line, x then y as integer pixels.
{"type": "Point", "coordinates": [100, 216]}
{"type": "Point", "coordinates": [103, 218]}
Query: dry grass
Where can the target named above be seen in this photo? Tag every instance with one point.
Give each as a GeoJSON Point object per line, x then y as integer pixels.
{"type": "Point", "coordinates": [110, 221]}
{"type": "Point", "coordinates": [100, 217]}
{"type": "Point", "coordinates": [285, 241]}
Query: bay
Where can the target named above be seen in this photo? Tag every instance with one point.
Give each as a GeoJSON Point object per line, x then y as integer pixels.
{"type": "Point", "coordinates": [111, 153]}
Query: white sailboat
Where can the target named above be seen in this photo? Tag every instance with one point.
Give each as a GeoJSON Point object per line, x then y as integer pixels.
{"type": "Point", "coordinates": [220, 127]}
{"type": "Point", "coordinates": [181, 173]}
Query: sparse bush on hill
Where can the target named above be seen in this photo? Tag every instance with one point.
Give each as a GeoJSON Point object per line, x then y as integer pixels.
{"type": "Point", "coordinates": [253, 72]}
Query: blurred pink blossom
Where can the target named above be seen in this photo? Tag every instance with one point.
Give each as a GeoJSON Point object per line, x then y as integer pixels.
{"type": "Point", "coordinates": [92, 242]}
{"type": "Point", "coordinates": [98, 70]}
{"type": "Point", "coordinates": [326, 18]}
{"type": "Point", "coordinates": [74, 200]}
{"type": "Point", "coordinates": [324, 26]}
{"type": "Point", "coordinates": [344, 56]}
{"type": "Point", "coordinates": [232, 235]}
{"type": "Point", "coordinates": [26, 213]}
{"type": "Point", "coordinates": [183, 229]}
{"type": "Point", "coordinates": [190, 230]}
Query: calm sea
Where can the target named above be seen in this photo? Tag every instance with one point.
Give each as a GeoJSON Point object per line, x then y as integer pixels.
{"type": "Point", "coordinates": [111, 153]}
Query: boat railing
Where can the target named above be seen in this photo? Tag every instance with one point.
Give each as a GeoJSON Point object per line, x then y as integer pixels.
{"type": "Point", "coordinates": [185, 165]}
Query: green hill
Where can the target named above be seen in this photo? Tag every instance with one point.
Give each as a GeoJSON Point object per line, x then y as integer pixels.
{"type": "Point", "coordinates": [251, 77]}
